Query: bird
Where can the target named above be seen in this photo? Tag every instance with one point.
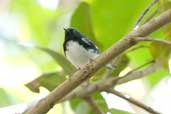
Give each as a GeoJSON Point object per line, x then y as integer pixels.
{"type": "Point", "coordinates": [78, 49]}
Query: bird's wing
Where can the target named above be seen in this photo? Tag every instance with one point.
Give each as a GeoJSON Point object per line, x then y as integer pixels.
{"type": "Point", "coordinates": [89, 44]}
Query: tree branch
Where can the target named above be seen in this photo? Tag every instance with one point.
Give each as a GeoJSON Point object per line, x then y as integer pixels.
{"type": "Point", "coordinates": [139, 67]}
{"type": "Point", "coordinates": [138, 39]}
{"type": "Point", "coordinates": [88, 70]}
{"type": "Point", "coordinates": [92, 105]}
{"type": "Point", "coordinates": [133, 101]}
{"type": "Point", "coordinates": [136, 48]}
{"type": "Point", "coordinates": [138, 74]}
{"type": "Point", "coordinates": [110, 83]}
{"type": "Point", "coordinates": [99, 86]}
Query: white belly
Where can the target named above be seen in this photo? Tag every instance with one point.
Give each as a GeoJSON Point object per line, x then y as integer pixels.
{"type": "Point", "coordinates": [77, 55]}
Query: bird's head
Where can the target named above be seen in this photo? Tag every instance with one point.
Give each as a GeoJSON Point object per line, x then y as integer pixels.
{"type": "Point", "coordinates": [72, 34]}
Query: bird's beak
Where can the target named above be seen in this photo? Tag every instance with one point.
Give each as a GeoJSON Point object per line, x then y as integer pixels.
{"type": "Point", "coordinates": [66, 30]}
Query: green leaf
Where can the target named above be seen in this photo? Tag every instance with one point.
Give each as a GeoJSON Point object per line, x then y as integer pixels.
{"type": "Point", "coordinates": [111, 22]}
{"type": "Point", "coordinates": [117, 111]}
{"type": "Point", "coordinates": [74, 103]}
{"type": "Point", "coordinates": [83, 106]}
{"type": "Point", "coordinates": [121, 63]}
{"type": "Point", "coordinates": [4, 98]}
{"type": "Point", "coordinates": [161, 53]}
{"type": "Point", "coordinates": [48, 80]}
{"type": "Point", "coordinates": [140, 55]}
{"type": "Point", "coordinates": [164, 4]}
{"type": "Point", "coordinates": [155, 77]}
{"type": "Point", "coordinates": [51, 80]}
{"type": "Point", "coordinates": [81, 19]}
{"type": "Point", "coordinates": [38, 18]}
{"type": "Point", "coordinates": [78, 105]}
{"type": "Point", "coordinates": [60, 59]}
{"type": "Point", "coordinates": [100, 101]}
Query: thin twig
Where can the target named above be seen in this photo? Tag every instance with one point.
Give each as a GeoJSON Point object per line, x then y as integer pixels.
{"type": "Point", "coordinates": [139, 67]}
{"type": "Point", "coordinates": [93, 105]}
{"type": "Point", "coordinates": [153, 40]}
{"type": "Point", "coordinates": [136, 48]}
{"type": "Point", "coordinates": [138, 74]}
{"type": "Point", "coordinates": [144, 13]}
{"type": "Point", "coordinates": [133, 101]}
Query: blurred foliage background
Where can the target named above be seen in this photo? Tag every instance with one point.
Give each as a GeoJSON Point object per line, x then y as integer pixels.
{"type": "Point", "coordinates": [31, 45]}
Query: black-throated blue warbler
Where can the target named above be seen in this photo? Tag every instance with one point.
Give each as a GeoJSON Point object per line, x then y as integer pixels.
{"type": "Point", "coordinates": [78, 49]}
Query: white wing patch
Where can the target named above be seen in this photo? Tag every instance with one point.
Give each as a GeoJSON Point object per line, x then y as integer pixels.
{"type": "Point", "coordinates": [86, 40]}
{"type": "Point", "coordinates": [90, 43]}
